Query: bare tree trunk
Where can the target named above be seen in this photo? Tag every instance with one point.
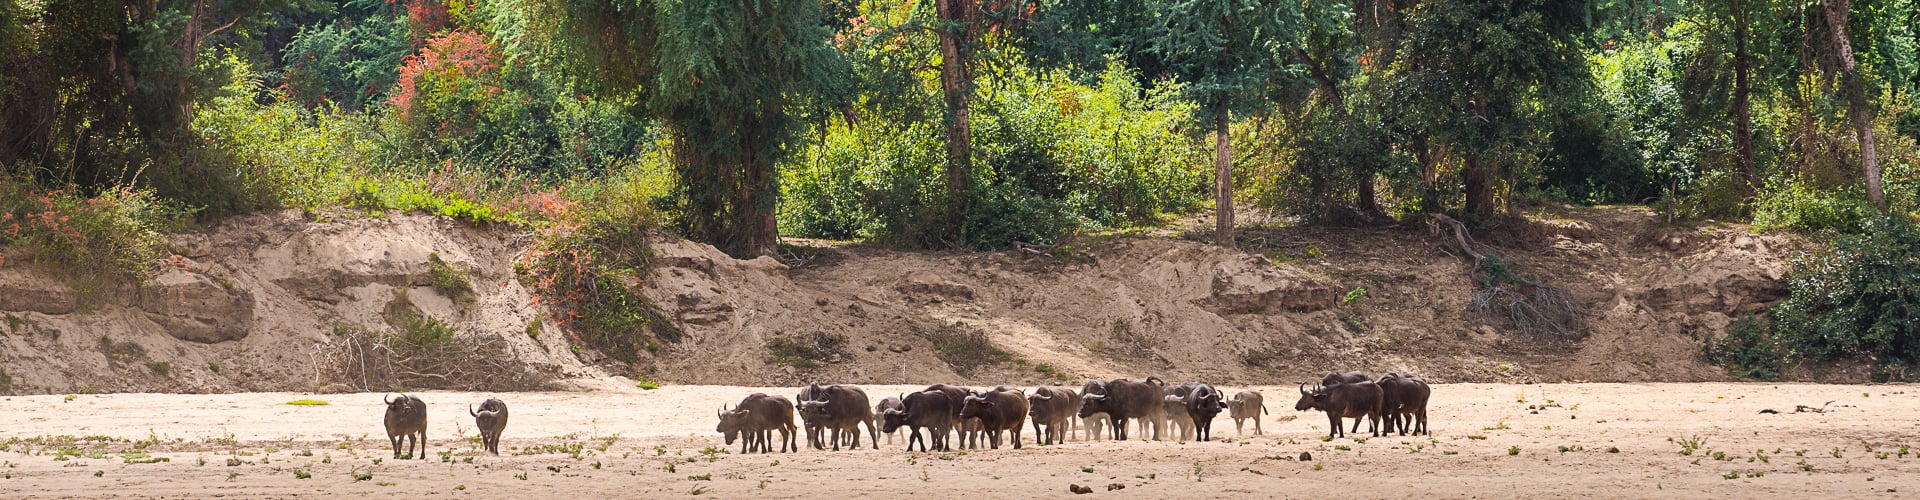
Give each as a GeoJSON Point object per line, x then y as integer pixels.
{"type": "Point", "coordinates": [1223, 179]}
{"type": "Point", "coordinates": [1429, 173]}
{"type": "Point", "coordinates": [1742, 106]}
{"type": "Point", "coordinates": [956, 83]}
{"type": "Point", "coordinates": [1857, 106]}
{"type": "Point", "coordinates": [1368, 203]}
{"type": "Point", "coordinates": [1479, 188]}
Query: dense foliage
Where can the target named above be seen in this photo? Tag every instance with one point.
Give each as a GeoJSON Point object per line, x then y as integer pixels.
{"type": "Point", "coordinates": [959, 123]}
{"type": "Point", "coordinates": [1857, 296]}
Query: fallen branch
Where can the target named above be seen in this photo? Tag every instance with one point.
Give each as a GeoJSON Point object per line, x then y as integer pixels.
{"type": "Point", "coordinates": [1538, 310]}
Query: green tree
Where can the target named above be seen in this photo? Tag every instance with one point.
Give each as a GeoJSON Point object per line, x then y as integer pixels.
{"type": "Point", "coordinates": [1224, 52]}
{"type": "Point", "coordinates": [732, 82]}
{"type": "Point", "coordinates": [1467, 69]}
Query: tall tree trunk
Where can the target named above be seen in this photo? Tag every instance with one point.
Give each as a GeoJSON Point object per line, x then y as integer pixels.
{"type": "Point", "coordinates": [1223, 178]}
{"type": "Point", "coordinates": [1742, 106]}
{"type": "Point", "coordinates": [1368, 202]}
{"type": "Point", "coordinates": [956, 83]}
{"type": "Point", "coordinates": [1479, 188]}
{"type": "Point", "coordinates": [1857, 106]}
{"type": "Point", "coordinates": [1429, 173]}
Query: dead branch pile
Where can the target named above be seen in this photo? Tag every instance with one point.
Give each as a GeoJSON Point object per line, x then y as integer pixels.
{"type": "Point", "coordinates": [386, 362]}
{"type": "Point", "coordinates": [1539, 311]}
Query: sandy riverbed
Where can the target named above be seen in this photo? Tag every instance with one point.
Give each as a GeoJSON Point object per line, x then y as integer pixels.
{"type": "Point", "coordinates": [1489, 440]}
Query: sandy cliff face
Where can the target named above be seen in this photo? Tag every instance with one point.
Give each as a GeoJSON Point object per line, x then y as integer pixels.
{"type": "Point", "coordinates": [262, 300]}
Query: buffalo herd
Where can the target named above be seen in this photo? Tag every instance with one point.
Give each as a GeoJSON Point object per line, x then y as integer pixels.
{"type": "Point", "coordinates": [833, 414]}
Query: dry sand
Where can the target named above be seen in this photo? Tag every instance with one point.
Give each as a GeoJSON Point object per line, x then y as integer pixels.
{"type": "Point", "coordinates": [1489, 440]}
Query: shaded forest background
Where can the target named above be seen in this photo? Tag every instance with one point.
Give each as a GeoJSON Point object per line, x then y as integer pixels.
{"type": "Point", "coordinates": [969, 124]}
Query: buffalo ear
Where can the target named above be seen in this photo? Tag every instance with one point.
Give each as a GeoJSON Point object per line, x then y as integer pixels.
{"type": "Point", "coordinates": [743, 411]}
{"type": "Point", "coordinates": [1319, 397]}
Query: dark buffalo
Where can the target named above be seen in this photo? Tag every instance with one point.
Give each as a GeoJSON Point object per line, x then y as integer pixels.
{"type": "Point", "coordinates": [968, 428]}
{"type": "Point", "coordinates": [841, 409]}
{"type": "Point", "coordinates": [407, 421]}
{"type": "Point", "coordinates": [1124, 399]}
{"type": "Point", "coordinates": [756, 418]}
{"type": "Point", "coordinates": [1052, 407]}
{"type": "Point", "coordinates": [999, 411]}
{"type": "Point", "coordinates": [1405, 403]}
{"type": "Point", "coordinates": [880, 412]}
{"type": "Point", "coordinates": [1201, 404]}
{"type": "Point", "coordinates": [1349, 400]}
{"type": "Point", "coordinates": [928, 409]}
{"type": "Point", "coordinates": [491, 419]}
{"type": "Point", "coordinates": [1337, 378]}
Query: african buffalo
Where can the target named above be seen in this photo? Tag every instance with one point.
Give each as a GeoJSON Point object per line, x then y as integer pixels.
{"type": "Point", "coordinates": [491, 419]}
{"type": "Point", "coordinates": [1124, 399]}
{"type": "Point", "coordinates": [998, 411]}
{"type": "Point", "coordinates": [1405, 401]}
{"type": "Point", "coordinates": [1052, 407]}
{"type": "Point", "coordinates": [968, 428]}
{"type": "Point", "coordinates": [839, 408]}
{"type": "Point", "coordinates": [880, 411]}
{"type": "Point", "coordinates": [1201, 404]}
{"type": "Point", "coordinates": [929, 409]}
{"type": "Point", "coordinates": [1179, 424]}
{"type": "Point", "coordinates": [1337, 378]}
{"type": "Point", "coordinates": [1243, 406]}
{"type": "Point", "coordinates": [1349, 400]}
{"type": "Point", "coordinates": [757, 417]}
{"type": "Point", "coordinates": [407, 422]}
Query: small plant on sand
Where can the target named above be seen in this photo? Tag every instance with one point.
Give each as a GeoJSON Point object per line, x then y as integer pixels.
{"type": "Point", "coordinates": [1689, 444]}
{"type": "Point", "coordinates": [307, 402]}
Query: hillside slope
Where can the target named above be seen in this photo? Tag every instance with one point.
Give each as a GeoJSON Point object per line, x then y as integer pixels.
{"type": "Point", "coordinates": [265, 299]}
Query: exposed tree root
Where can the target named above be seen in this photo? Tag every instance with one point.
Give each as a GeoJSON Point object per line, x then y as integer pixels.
{"type": "Point", "coordinates": [1539, 311]}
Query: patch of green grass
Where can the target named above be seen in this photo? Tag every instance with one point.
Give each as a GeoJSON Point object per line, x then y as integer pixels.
{"type": "Point", "coordinates": [807, 351]}
{"type": "Point", "coordinates": [6, 382]}
{"type": "Point", "coordinates": [213, 367]}
{"type": "Point", "coordinates": [1051, 372]}
{"type": "Point", "coordinates": [1515, 450]}
{"type": "Point", "coordinates": [307, 402]}
{"type": "Point", "coordinates": [449, 280]}
{"type": "Point", "coordinates": [161, 368]}
{"type": "Point", "coordinates": [962, 348]}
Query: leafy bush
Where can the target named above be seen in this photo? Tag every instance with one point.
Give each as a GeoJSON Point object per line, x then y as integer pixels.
{"type": "Point", "coordinates": [93, 240]}
{"type": "Point", "coordinates": [1051, 156]}
{"type": "Point", "coordinates": [1749, 350]}
{"type": "Point", "coordinates": [965, 349]}
{"type": "Point", "coordinates": [592, 257]}
{"type": "Point", "coordinates": [807, 351]}
{"type": "Point", "coordinates": [460, 99]}
{"type": "Point", "coordinates": [1859, 296]}
{"type": "Point", "coordinates": [1799, 206]}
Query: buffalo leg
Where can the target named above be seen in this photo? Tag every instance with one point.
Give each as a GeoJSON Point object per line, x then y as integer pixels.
{"type": "Point", "coordinates": [1339, 427]}
{"type": "Point", "coordinates": [423, 445]}
{"type": "Point", "coordinates": [1256, 425]}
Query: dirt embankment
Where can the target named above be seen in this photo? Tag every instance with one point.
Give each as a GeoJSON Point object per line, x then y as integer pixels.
{"type": "Point", "coordinates": [264, 298]}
